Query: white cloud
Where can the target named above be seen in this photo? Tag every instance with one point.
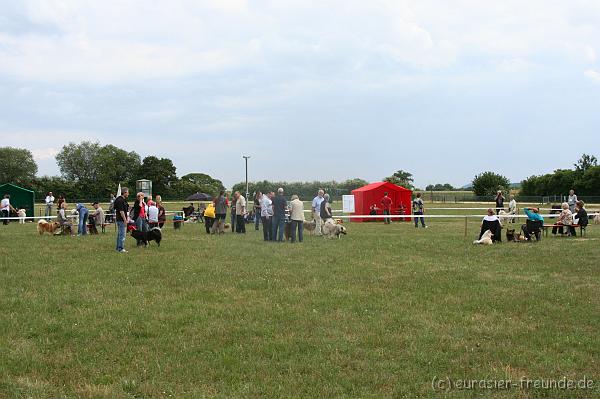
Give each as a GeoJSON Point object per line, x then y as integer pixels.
{"type": "Point", "coordinates": [42, 154]}
{"type": "Point", "coordinates": [593, 75]}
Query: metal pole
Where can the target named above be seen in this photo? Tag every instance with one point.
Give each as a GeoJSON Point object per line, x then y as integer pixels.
{"type": "Point", "coordinates": [246, 159]}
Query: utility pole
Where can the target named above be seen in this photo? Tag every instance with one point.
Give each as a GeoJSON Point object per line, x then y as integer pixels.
{"type": "Point", "coordinates": [246, 159]}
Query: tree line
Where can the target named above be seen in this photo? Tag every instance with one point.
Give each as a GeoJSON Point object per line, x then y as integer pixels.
{"type": "Point", "coordinates": [584, 178]}
{"type": "Point", "coordinates": [89, 171]}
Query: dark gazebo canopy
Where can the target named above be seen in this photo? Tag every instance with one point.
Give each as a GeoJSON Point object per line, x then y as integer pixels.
{"type": "Point", "coordinates": [199, 197]}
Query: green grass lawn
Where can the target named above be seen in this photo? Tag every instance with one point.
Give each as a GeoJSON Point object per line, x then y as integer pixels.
{"type": "Point", "coordinates": [379, 313]}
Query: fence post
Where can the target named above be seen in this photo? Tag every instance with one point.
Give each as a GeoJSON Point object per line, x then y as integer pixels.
{"type": "Point", "coordinates": [465, 226]}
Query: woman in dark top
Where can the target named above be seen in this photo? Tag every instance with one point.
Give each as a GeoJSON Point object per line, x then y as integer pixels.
{"type": "Point", "coordinates": [581, 216]}
{"type": "Point", "coordinates": [162, 216]}
{"type": "Point", "coordinates": [326, 209]}
{"type": "Point", "coordinates": [499, 202]}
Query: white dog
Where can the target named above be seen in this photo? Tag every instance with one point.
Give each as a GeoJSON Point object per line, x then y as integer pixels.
{"type": "Point", "coordinates": [597, 218]}
{"type": "Point", "coordinates": [330, 229]}
{"type": "Point", "coordinates": [506, 217]}
{"type": "Point", "coordinates": [486, 238]}
{"type": "Point", "coordinates": [22, 215]}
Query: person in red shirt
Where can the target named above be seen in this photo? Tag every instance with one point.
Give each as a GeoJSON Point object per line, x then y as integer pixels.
{"type": "Point", "coordinates": [386, 204]}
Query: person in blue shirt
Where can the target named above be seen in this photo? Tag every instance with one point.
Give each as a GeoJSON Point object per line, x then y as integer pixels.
{"type": "Point", "coordinates": [83, 219]}
{"type": "Point", "coordinates": [534, 216]}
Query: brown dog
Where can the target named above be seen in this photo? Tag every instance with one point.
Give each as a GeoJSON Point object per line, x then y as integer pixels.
{"type": "Point", "coordinates": [45, 227]}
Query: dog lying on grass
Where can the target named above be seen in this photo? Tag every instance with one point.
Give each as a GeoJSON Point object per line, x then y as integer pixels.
{"type": "Point", "coordinates": [44, 227]}
{"type": "Point", "coordinates": [154, 234]}
{"type": "Point", "coordinates": [486, 238]}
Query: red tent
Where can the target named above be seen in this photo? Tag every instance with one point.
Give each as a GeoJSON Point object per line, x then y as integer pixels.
{"type": "Point", "coordinates": [372, 193]}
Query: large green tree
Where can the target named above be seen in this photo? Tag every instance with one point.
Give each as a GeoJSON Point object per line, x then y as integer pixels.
{"type": "Point", "coordinates": [115, 166]}
{"type": "Point", "coordinates": [401, 178]}
{"type": "Point", "coordinates": [161, 171]}
{"type": "Point", "coordinates": [201, 182]}
{"type": "Point", "coordinates": [17, 166]}
{"type": "Point", "coordinates": [487, 183]}
{"type": "Point", "coordinates": [97, 170]}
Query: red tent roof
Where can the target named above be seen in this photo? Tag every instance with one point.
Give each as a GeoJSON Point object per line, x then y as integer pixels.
{"type": "Point", "coordinates": [388, 185]}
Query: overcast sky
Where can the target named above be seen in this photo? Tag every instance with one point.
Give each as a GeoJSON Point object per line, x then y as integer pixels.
{"type": "Point", "coordinates": [311, 90]}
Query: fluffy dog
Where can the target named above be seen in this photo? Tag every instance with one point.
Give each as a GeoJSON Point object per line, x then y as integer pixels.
{"type": "Point", "coordinates": [154, 234]}
{"type": "Point", "coordinates": [330, 229]}
{"type": "Point", "coordinates": [510, 235]}
{"type": "Point", "coordinates": [22, 214]}
{"type": "Point", "coordinates": [310, 226]}
{"type": "Point", "coordinates": [505, 217]}
{"type": "Point", "coordinates": [597, 218]}
{"type": "Point", "coordinates": [45, 227]}
{"type": "Point", "coordinates": [486, 238]}
{"type": "Point", "coordinates": [218, 227]}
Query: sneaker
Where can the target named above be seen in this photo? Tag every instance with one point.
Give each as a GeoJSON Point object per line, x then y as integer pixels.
{"type": "Point", "coordinates": [426, 227]}
{"type": "Point", "coordinates": [123, 251]}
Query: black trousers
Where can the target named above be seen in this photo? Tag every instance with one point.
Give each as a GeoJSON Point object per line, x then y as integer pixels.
{"type": "Point", "coordinates": [267, 228]}
{"type": "Point", "coordinates": [208, 223]}
{"type": "Point", "coordinates": [4, 215]}
{"type": "Point", "coordinates": [240, 224]}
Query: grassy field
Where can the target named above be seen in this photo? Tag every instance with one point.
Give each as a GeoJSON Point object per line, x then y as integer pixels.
{"type": "Point", "coordinates": [380, 313]}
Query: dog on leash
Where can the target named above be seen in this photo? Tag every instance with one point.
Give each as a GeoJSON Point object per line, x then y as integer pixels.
{"type": "Point", "coordinates": [22, 214]}
{"type": "Point", "coordinates": [330, 229]}
{"type": "Point", "coordinates": [44, 227]}
{"type": "Point", "coordinates": [154, 234]}
{"type": "Point", "coordinates": [486, 238]}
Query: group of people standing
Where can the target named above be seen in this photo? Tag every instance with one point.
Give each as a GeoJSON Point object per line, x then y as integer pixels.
{"type": "Point", "coordinates": [272, 210]}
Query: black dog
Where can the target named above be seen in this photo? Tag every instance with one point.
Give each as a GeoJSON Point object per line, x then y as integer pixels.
{"type": "Point", "coordinates": [510, 235]}
{"type": "Point", "coordinates": [154, 234]}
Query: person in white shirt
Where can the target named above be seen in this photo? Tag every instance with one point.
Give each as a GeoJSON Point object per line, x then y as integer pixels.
{"type": "Point", "coordinates": [6, 207]}
{"type": "Point", "coordinates": [240, 212]}
{"type": "Point", "coordinates": [572, 201]}
{"type": "Point", "coordinates": [491, 222]}
{"type": "Point", "coordinates": [49, 203]}
{"type": "Point", "coordinates": [152, 214]}
{"type": "Point", "coordinates": [512, 208]}
{"type": "Point", "coordinates": [316, 209]}
{"type": "Point", "coordinates": [266, 215]}
{"type": "Point", "coordinates": [297, 217]}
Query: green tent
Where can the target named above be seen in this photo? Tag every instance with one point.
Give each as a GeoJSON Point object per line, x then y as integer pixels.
{"type": "Point", "coordinates": [20, 198]}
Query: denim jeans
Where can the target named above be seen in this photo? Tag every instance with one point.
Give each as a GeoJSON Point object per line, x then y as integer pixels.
{"type": "Point", "coordinates": [267, 228]}
{"type": "Point", "coordinates": [300, 225]}
{"type": "Point", "coordinates": [83, 218]}
{"type": "Point", "coordinates": [278, 226]}
{"type": "Point", "coordinates": [257, 219]}
{"type": "Point", "coordinates": [121, 228]}
{"type": "Point", "coordinates": [386, 220]}
{"type": "Point", "coordinates": [417, 219]}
